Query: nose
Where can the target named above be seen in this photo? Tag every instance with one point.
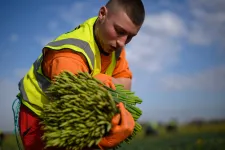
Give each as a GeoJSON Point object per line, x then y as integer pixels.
{"type": "Point", "coordinates": [121, 42]}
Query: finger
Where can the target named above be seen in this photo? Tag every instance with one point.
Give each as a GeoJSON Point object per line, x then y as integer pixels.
{"type": "Point", "coordinates": [123, 113]}
{"type": "Point", "coordinates": [130, 120]}
{"type": "Point", "coordinates": [127, 119]}
{"type": "Point", "coordinates": [116, 120]}
{"type": "Point", "coordinates": [107, 84]}
{"type": "Point", "coordinates": [128, 114]}
{"type": "Point", "coordinates": [111, 85]}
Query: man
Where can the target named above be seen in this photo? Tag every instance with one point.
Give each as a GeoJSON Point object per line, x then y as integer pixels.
{"type": "Point", "coordinates": [95, 46]}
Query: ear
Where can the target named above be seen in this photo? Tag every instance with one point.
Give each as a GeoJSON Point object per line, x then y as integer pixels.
{"type": "Point", "coordinates": [102, 13]}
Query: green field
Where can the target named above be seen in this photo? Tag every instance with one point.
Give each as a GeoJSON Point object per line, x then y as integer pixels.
{"type": "Point", "coordinates": [190, 137]}
{"type": "Point", "coordinates": [200, 141]}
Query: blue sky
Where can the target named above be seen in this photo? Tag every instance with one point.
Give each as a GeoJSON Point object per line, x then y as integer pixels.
{"type": "Point", "coordinates": [177, 58]}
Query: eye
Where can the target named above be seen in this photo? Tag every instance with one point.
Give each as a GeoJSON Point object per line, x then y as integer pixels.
{"type": "Point", "coordinates": [119, 31]}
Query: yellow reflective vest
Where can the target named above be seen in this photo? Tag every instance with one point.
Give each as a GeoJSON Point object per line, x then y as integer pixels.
{"type": "Point", "coordinates": [81, 39]}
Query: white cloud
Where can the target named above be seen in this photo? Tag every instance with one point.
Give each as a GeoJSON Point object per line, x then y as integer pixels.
{"type": "Point", "coordinates": [208, 22]}
{"type": "Point", "coordinates": [156, 45]}
{"type": "Point", "coordinates": [70, 15]}
{"type": "Point", "coordinates": [159, 42]}
{"type": "Point", "coordinates": [165, 23]}
{"type": "Point", "coordinates": [212, 79]}
{"type": "Point", "coordinates": [198, 35]}
{"type": "Point", "coordinates": [204, 19]}
{"type": "Point", "coordinates": [211, 5]}
{"type": "Point", "coordinates": [73, 14]}
{"type": "Point", "coordinates": [44, 40]}
{"type": "Point", "coordinates": [8, 92]}
{"type": "Point", "coordinates": [13, 37]}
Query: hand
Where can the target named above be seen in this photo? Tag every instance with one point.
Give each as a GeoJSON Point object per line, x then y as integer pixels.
{"type": "Point", "coordinates": [106, 80]}
{"type": "Point", "coordinates": [118, 132]}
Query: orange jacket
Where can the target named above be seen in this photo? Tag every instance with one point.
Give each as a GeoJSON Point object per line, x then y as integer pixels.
{"type": "Point", "coordinates": [56, 61]}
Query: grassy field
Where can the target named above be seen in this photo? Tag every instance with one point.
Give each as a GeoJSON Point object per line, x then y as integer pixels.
{"type": "Point", "coordinates": [190, 137]}
{"type": "Point", "coordinates": [196, 141]}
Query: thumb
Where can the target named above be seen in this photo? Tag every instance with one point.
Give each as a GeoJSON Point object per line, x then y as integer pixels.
{"type": "Point", "coordinates": [110, 84]}
{"type": "Point", "coordinates": [116, 120]}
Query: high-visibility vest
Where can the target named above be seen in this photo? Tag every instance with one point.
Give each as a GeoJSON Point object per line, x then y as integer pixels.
{"type": "Point", "coordinates": [81, 39]}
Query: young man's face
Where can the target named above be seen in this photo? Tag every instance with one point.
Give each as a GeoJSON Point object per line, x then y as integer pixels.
{"type": "Point", "coordinates": [115, 29]}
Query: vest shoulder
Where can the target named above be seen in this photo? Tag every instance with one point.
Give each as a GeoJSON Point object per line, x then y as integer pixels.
{"type": "Point", "coordinates": [83, 31]}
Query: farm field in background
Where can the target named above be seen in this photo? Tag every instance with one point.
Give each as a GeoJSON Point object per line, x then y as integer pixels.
{"type": "Point", "coordinates": [207, 136]}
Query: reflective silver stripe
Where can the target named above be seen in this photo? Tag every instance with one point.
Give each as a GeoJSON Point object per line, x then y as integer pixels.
{"type": "Point", "coordinates": [22, 90]}
{"type": "Point", "coordinates": [42, 81]}
{"type": "Point", "coordinates": [76, 42]}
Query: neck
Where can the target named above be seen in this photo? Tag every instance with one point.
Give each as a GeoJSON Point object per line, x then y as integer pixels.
{"type": "Point", "coordinates": [97, 40]}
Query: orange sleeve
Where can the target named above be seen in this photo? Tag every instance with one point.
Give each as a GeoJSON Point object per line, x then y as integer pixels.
{"type": "Point", "coordinates": [122, 69]}
{"type": "Point", "coordinates": [54, 62]}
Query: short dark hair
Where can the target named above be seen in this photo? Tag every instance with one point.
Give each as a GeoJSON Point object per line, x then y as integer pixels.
{"type": "Point", "coordinates": [134, 9]}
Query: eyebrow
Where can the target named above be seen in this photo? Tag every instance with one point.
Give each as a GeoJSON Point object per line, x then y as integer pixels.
{"type": "Point", "coordinates": [121, 28]}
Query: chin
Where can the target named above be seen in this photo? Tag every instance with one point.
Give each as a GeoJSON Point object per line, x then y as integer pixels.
{"type": "Point", "coordinates": [108, 51]}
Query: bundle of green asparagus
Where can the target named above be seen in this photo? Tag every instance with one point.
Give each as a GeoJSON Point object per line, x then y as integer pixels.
{"type": "Point", "coordinates": [80, 111]}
